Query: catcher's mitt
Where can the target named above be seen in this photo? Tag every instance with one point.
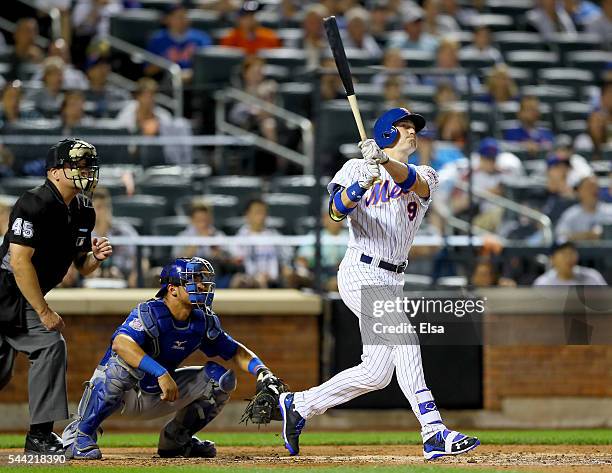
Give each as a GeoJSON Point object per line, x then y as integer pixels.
{"type": "Point", "coordinates": [264, 406]}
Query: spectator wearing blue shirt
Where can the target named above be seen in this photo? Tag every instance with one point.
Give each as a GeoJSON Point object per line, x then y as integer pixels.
{"type": "Point", "coordinates": [527, 131]}
{"type": "Point", "coordinates": [177, 42]}
{"type": "Point", "coordinates": [582, 12]}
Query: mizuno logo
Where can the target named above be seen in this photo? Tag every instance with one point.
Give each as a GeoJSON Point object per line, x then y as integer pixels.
{"type": "Point", "coordinates": [178, 345]}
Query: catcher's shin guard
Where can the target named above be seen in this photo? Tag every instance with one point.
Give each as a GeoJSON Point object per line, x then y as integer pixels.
{"type": "Point", "coordinates": [102, 397]}
{"type": "Point", "coordinates": [176, 437]}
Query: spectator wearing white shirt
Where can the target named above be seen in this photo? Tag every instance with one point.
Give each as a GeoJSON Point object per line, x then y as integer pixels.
{"type": "Point", "coordinates": [602, 26]}
{"type": "Point", "coordinates": [262, 263]}
{"type": "Point", "coordinates": [585, 220]}
{"type": "Point", "coordinates": [413, 36]}
{"type": "Point", "coordinates": [357, 34]}
{"type": "Point", "coordinates": [549, 18]}
{"type": "Point", "coordinates": [73, 79]}
{"type": "Point", "coordinates": [565, 270]}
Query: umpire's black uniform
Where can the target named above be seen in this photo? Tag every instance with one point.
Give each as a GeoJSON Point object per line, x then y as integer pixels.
{"type": "Point", "coordinates": [58, 233]}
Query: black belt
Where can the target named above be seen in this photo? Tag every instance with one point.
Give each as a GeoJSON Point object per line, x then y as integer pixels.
{"type": "Point", "coordinates": [394, 268]}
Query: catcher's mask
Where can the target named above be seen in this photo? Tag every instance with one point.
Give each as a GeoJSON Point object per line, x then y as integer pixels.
{"type": "Point", "coordinates": [195, 274]}
{"type": "Point", "coordinates": [79, 161]}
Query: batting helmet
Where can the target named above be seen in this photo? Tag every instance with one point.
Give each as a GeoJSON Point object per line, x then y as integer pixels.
{"type": "Point", "coordinates": [195, 274]}
{"type": "Point", "coordinates": [386, 134]}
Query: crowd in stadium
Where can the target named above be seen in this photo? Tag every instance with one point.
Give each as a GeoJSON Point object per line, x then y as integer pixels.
{"type": "Point", "coordinates": [526, 85]}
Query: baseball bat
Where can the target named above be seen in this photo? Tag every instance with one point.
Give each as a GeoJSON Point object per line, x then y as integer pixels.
{"type": "Point", "coordinates": [335, 43]}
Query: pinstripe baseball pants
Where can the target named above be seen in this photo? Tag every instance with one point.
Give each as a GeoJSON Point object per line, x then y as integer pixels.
{"type": "Point", "coordinates": [360, 286]}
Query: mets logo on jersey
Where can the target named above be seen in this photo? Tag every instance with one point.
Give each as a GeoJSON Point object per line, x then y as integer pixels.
{"type": "Point", "coordinates": [179, 345]}
{"type": "Point", "coordinates": [380, 193]}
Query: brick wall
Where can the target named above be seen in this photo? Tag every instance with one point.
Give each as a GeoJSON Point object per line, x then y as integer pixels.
{"type": "Point", "coordinates": [289, 345]}
{"type": "Point", "coordinates": [546, 371]}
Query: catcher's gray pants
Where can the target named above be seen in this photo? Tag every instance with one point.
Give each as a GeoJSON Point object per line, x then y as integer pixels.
{"type": "Point", "coordinates": [201, 398]}
{"type": "Point", "coordinates": [46, 350]}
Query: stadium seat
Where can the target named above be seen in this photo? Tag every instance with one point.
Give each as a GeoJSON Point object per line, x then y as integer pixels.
{"type": "Point", "coordinates": [336, 124]}
{"type": "Point", "coordinates": [296, 97]}
{"type": "Point", "coordinates": [512, 8]}
{"type": "Point", "coordinates": [135, 25]}
{"type": "Point", "coordinates": [114, 185]}
{"type": "Point", "coordinates": [6, 53]}
{"type": "Point", "coordinates": [492, 21]}
{"type": "Point", "coordinates": [137, 223]}
{"type": "Point", "coordinates": [474, 60]}
{"type": "Point", "coordinates": [572, 127]}
{"type": "Point", "coordinates": [159, 5]}
{"type": "Point", "coordinates": [565, 76]}
{"type": "Point", "coordinates": [169, 187]}
{"type": "Point", "coordinates": [169, 226]}
{"type": "Point", "coordinates": [532, 60]}
{"type": "Point", "coordinates": [223, 206]}
{"type": "Point", "coordinates": [509, 41]}
{"type": "Point", "coordinates": [289, 207]}
{"type": "Point", "coordinates": [29, 151]}
{"type": "Point", "coordinates": [108, 153]}
{"type": "Point", "coordinates": [464, 38]}
{"type": "Point", "coordinates": [358, 58]}
{"type": "Point", "coordinates": [549, 93]}
{"type": "Point", "coordinates": [146, 207]}
{"type": "Point", "coordinates": [304, 226]}
{"type": "Point", "coordinates": [290, 35]}
{"type": "Point", "coordinates": [564, 44]}
{"type": "Point", "coordinates": [214, 65]}
{"type": "Point", "coordinates": [206, 20]}
{"type": "Point", "coordinates": [566, 111]}
{"type": "Point", "coordinates": [16, 186]}
{"type": "Point", "coordinates": [297, 185]}
{"type": "Point", "coordinates": [416, 59]}
{"type": "Point", "coordinates": [288, 57]}
{"type": "Point", "coordinates": [594, 61]}
{"type": "Point", "coordinates": [369, 93]}
{"type": "Point", "coordinates": [242, 187]}
{"type": "Point", "coordinates": [233, 224]}
{"type": "Point", "coordinates": [420, 93]}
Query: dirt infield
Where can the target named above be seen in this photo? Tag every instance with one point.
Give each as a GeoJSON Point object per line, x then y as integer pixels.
{"type": "Point", "coordinates": [533, 458]}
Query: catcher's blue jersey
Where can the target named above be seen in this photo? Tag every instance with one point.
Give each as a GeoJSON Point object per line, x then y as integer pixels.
{"type": "Point", "coordinates": [170, 341]}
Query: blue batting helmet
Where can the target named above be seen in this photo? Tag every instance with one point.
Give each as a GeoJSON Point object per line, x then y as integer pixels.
{"type": "Point", "coordinates": [385, 133]}
{"type": "Point", "coordinates": [195, 274]}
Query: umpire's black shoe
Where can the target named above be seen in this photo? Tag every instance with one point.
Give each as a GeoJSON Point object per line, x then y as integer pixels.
{"type": "Point", "coordinates": [195, 449]}
{"type": "Point", "coordinates": [37, 444]}
{"type": "Point", "coordinates": [293, 423]}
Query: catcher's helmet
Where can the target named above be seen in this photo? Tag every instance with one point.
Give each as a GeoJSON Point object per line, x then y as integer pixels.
{"type": "Point", "coordinates": [82, 159]}
{"type": "Point", "coordinates": [386, 134]}
{"type": "Point", "coordinates": [195, 274]}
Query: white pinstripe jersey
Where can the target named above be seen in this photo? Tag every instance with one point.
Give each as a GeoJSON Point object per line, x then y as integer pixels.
{"type": "Point", "coordinates": [386, 219]}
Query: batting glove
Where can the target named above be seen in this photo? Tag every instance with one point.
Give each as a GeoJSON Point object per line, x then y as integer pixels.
{"type": "Point", "coordinates": [370, 173]}
{"type": "Point", "coordinates": [370, 150]}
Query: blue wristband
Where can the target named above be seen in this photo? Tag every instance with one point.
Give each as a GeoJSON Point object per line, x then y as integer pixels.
{"type": "Point", "coordinates": [255, 365]}
{"type": "Point", "coordinates": [343, 209]}
{"type": "Point", "coordinates": [410, 180]}
{"type": "Point", "coordinates": [355, 192]}
{"type": "Point", "coordinates": [150, 366]}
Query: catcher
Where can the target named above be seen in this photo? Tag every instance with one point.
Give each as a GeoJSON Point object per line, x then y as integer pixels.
{"type": "Point", "coordinates": [140, 374]}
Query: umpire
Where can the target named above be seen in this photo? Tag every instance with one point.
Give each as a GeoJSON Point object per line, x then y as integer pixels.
{"type": "Point", "coordinates": [49, 228]}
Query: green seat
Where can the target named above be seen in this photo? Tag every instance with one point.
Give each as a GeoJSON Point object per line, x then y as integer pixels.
{"type": "Point", "coordinates": [474, 60]}
{"type": "Point", "coordinates": [572, 127]}
{"type": "Point", "coordinates": [420, 93]}
{"type": "Point", "coordinates": [296, 185]}
{"type": "Point", "coordinates": [418, 59]}
{"type": "Point", "coordinates": [296, 97]}
{"type": "Point", "coordinates": [567, 77]}
{"type": "Point", "coordinates": [289, 57]}
{"type": "Point", "coordinates": [369, 93]}
{"type": "Point", "coordinates": [16, 186]}
{"type": "Point", "coordinates": [533, 60]}
{"type": "Point", "coordinates": [551, 94]}
{"type": "Point", "coordinates": [289, 207]}
{"type": "Point", "coordinates": [170, 226]}
{"type": "Point", "coordinates": [594, 61]}
{"type": "Point", "coordinates": [242, 187]}
{"type": "Point", "coordinates": [213, 66]}
{"type": "Point", "coordinates": [108, 153]}
{"type": "Point", "coordinates": [512, 8]}
{"type": "Point", "coordinates": [146, 207]}
{"type": "Point", "coordinates": [169, 187]}
{"type": "Point", "coordinates": [565, 44]}
{"type": "Point", "coordinates": [336, 125]}
{"type": "Point", "coordinates": [135, 25]}
{"type": "Point", "coordinates": [28, 150]}
{"type": "Point", "coordinates": [566, 111]}
{"type": "Point", "coordinates": [492, 21]}
{"type": "Point", "coordinates": [206, 20]}
{"type": "Point", "coordinates": [508, 41]}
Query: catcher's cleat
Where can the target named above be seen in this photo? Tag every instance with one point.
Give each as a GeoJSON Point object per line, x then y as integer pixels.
{"type": "Point", "coordinates": [448, 442]}
{"type": "Point", "coordinates": [293, 423]}
{"type": "Point", "coordinates": [83, 448]}
{"type": "Point", "coordinates": [50, 444]}
{"type": "Point", "coordinates": [195, 449]}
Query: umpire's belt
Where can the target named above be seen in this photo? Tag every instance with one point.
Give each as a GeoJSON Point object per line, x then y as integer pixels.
{"type": "Point", "coordinates": [394, 268]}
